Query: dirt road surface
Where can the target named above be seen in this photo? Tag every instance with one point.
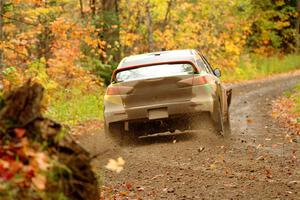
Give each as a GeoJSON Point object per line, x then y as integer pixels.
{"type": "Point", "coordinates": [257, 161]}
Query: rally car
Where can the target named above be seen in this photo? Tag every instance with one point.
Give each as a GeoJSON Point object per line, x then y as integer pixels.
{"type": "Point", "coordinates": [155, 88]}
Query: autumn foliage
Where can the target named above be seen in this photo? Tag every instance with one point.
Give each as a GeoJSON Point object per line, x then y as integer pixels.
{"type": "Point", "coordinates": [78, 40]}
{"type": "Point", "coordinates": [71, 47]}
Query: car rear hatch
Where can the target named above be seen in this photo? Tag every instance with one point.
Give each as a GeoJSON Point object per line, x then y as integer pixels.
{"type": "Point", "coordinates": [156, 85]}
{"type": "Point", "coordinates": [158, 91]}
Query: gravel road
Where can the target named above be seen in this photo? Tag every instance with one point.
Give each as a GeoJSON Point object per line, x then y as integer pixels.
{"type": "Point", "coordinates": [257, 161]}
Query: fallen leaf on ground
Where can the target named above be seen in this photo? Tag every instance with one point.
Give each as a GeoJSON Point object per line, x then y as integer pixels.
{"type": "Point", "coordinates": [20, 132]}
{"type": "Point", "coordinates": [116, 165]}
{"type": "Point", "coordinates": [128, 186]}
{"type": "Point", "coordinates": [39, 181]}
{"type": "Point", "coordinates": [201, 149]}
{"type": "Point", "coordinates": [213, 166]}
{"type": "Point", "coordinates": [157, 176]}
{"type": "Point", "coordinates": [42, 161]}
{"type": "Point", "coordinates": [123, 193]}
{"type": "Point", "coordinates": [249, 120]}
{"type": "Point", "coordinates": [268, 173]}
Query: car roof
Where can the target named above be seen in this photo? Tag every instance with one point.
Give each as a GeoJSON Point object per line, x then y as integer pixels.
{"type": "Point", "coordinates": [158, 57]}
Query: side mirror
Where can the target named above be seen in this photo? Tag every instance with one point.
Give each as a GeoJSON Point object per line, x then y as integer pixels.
{"type": "Point", "coordinates": [217, 72]}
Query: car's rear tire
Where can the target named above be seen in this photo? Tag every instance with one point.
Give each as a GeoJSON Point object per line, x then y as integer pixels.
{"type": "Point", "coordinates": [117, 133]}
{"type": "Point", "coordinates": [114, 132]}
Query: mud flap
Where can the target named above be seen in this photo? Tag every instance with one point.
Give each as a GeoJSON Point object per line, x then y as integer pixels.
{"type": "Point", "coordinates": [229, 94]}
{"type": "Point", "coordinates": [217, 116]}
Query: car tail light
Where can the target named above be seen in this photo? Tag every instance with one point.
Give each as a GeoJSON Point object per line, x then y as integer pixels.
{"type": "Point", "coordinates": [112, 90]}
{"type": "Point", "coordinates": [197, 80]}
{"type": "Point", "coordinates": [118, 90]}
{"type": "Point", "coordinates": [200, 80]}
{"type": "Point", "coordinates": [185, 82]}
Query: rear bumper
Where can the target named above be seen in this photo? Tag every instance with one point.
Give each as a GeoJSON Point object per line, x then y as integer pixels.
{"type": "Point", "coordinates": [141, 113]}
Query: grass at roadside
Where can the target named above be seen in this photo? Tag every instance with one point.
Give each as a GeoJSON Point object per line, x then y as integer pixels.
{"type": "Point", "coordinates": [296, 98]}
{"type": "Point", "coordinates": [255, 67]}
{"type": "Point", "coordinates": [71, 106]}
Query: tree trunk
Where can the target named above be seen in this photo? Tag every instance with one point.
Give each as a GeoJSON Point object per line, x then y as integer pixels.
{"type": "Point", "coordinates": [167, 15]}
{"type": "Point", "coordinates": [23, 109]}
{"type": "Point", "coordinates": [93, 6]}
{"type": "Point", "coordinates": [149, 27]}
{"type": "Point", "coordinates": [1, 32]}
{"type": "Point", "coordinates": [81, 8]}
{"type": "Point", "coordinates": [298, 27]}
{"type": "Point", "coordinates": [44, 43]}
{"type": "Point", "coordinates": [111, 30]}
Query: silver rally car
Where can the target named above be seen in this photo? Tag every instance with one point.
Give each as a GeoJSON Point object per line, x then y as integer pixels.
{"type": "Point", "coordinates": [155, 88]}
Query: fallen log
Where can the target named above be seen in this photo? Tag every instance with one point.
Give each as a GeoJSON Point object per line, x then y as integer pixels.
{"type": "Point", "coordinates": [21, 120]}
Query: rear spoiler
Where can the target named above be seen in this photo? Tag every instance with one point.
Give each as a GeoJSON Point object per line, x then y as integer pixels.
{"type": "Point", "coordinates": [149, 64]}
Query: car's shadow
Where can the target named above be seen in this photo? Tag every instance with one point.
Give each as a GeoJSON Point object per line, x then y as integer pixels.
{"type": "Point", "coordinates": [205, 136]}
{"type": "Point", "coordinates": [165, 138]}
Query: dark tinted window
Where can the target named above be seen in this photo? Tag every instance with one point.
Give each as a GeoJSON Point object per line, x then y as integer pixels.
{"type": "Point", "coordinates": [155, 71]}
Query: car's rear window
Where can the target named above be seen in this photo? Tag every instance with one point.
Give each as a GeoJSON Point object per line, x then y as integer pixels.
{"type": "Point", "coordinates": [154, 71]}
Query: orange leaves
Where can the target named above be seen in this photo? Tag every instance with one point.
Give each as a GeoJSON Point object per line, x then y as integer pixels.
{"type": "Point", "coordinates": [15, 166]}
{"type": "Point", "coordinates": [94, 42]}
{"type": "Point", "coordinates": [23, 164]}
{"type": "Point", "coordinates": [20, 132]}
{"type": "Point", "coordinates": [60, 27]}
{"type": "Point", "coordinates": [66, 48]}
{"type": "Point", "coordinates": [165, 38]}
{"type": "Point", "coordinates": [41, 34]}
